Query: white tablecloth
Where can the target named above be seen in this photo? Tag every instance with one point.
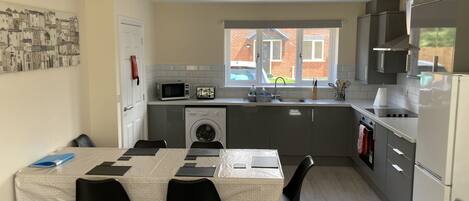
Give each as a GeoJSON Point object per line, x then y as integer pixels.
{"type": "Point", "coordinates": [148, 177]}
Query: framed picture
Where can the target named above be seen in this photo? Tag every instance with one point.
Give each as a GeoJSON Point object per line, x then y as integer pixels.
{"type": "Point", "coordinates": [35, 38]}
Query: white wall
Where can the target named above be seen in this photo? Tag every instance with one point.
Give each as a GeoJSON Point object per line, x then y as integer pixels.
{"type": "Point", "coordinates": [40, 110]}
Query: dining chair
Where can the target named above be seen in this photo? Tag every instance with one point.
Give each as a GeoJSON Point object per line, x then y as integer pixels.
{"type": "Point", "coordinates": [207, 145]}
{"type": "Point", "coordinates": [292, 191]}
{"type": "Point", "coordinates": [83, 141]}
{"type": "Point", "coordinates": [151, 144]}
{"type": "Point", "coordinates": [99, 190]}
{"type": "Point", "coordinates": [196, 190]}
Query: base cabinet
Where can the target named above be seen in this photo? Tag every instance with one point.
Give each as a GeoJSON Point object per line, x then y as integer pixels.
{"type": "Point", "coordinates": [293, 131]}
{"type": "Point", "coordinates": [245, 128]}
{"type": "Point", "coordinates": [331, 131]}
{"type": "Point", "coordinates": [377, 174]}
{"type": "Point", "coordinates": [289, 129]}
{"type": "Point", "coordinates": [392, 174]}
{"type": "Point", "coordinates": [168, 123]}
{"type": "Point", "coordinates": [398, 184]}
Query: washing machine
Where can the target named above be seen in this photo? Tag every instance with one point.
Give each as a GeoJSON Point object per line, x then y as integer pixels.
{"type": "Point", "coordinates": [205, 125]}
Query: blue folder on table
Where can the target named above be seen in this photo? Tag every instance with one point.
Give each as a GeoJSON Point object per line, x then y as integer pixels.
{"type": "Point", "coordinates": [53, 160]}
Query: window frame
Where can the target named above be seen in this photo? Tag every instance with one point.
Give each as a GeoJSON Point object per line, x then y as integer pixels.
{"type": "Point", "coordinates": [313, 51]}
{"type": "Point", "coordinates": [271, 41]}
{"type": "Point", "coordinates": [299, 81]}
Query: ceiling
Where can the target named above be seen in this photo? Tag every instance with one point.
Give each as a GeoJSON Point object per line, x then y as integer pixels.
{"type": "Point", "coordinates": [255, 1]}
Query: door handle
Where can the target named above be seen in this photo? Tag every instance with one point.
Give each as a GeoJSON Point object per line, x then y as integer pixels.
{"type": "Point", "coordinates": [398, 152]}
{"type": "Point", "coordinates": [397, 168]}
{"type": "Point", "coordinates": [128, 108]}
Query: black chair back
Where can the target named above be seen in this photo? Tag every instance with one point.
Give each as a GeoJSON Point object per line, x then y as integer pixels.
{"type": "Point", "coordinates": [197, 190]}
{"type": "Point", "coordinates": [83, 141]}
{"type": "Point", "coordinates": [151, 144]}
{"type": "Point", "coordinates": [293, 189]}
{"type": "Point", "coordinates": [207, 145]}
{"type": "Point", "coordinates": [108, 189]}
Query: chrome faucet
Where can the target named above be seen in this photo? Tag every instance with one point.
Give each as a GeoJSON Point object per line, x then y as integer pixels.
{"type": "Point", "coordinates": [275, 96]}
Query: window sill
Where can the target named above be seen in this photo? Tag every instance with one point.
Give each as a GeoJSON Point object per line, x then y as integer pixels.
{"type": "Point", "coordinates": [278, 86]}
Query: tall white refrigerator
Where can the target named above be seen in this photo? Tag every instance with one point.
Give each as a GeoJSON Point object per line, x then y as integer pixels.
{"type": "Point", "coordinates": [442, 155]}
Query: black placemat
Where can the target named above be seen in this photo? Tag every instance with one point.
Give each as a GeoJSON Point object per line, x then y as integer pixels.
{"type": "Point", "coordinates": [190, 158]}
{"type": "Point", "coordinates": [204, 152]}
{"type": "Point", "coordinates": [109, 170]}
{"type": "Point", "coordinates": [196, 172]}
{"type": "Point", "coordinates": [141, 152]}
{"type": "Point", "coordinates": [190, 164]}
{"type": "Point", "coordinates": [108, 163]}
{"type": "Point", "coordinates": [124, 158]}
{"type": "Point", "coordinates": [264, 162]}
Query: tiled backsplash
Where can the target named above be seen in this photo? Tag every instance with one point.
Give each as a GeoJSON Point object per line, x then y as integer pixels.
{"type": "Point", "coordinates": [405, 93]}
{"type": "Point", "coordinates": [214, 75]}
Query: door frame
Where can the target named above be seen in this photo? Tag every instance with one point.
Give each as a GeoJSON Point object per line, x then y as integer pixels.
{"type": "Point", "coordinates": [142, 72]}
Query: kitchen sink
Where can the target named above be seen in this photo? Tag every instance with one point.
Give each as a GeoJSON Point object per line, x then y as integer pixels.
{"type": "Point", "coordinates": [289, 100]}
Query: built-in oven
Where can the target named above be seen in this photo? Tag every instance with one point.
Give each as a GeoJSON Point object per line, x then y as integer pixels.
{"type": "Point", "coordinates": [366, 141]}
{"type": "Point", "coordinates": [173, 91]}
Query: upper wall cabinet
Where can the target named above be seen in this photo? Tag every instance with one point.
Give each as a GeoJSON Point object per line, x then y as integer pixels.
{"type": "Point", "coordinates": [367, 58]}
{"type": "Point", "coordinates": [417, 2]}
{"type": "Point", "coordinates": [437, 38]}
{"type": "Point", "coordinates": [378, 6]}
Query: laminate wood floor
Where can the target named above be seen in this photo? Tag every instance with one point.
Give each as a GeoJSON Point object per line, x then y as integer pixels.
{"type": "Point", "coordinates": [324, 183]}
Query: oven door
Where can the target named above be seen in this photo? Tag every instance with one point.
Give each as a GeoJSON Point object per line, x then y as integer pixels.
{"type": "Point", "coordinates": [367, 143]}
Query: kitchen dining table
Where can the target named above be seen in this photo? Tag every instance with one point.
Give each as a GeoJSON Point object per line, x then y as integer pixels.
{"type": "Point", "coordinates": [148, 176]}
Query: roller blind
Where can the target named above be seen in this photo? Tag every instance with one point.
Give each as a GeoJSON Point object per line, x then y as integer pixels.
{"type": "Point", "coordinates": [262, 24]}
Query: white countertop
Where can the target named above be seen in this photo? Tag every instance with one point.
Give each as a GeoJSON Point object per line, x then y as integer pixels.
{"type": "Point", "coordinates": [402, 127]}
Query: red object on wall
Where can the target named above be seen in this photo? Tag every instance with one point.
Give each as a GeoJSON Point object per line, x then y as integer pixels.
{"type": "Point", "coordinates": [133, 61]}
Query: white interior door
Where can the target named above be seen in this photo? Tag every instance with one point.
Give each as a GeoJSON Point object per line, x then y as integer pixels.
{"type": "Point", "coordinates": [132, 94]}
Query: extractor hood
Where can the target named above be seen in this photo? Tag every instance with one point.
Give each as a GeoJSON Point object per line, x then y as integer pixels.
{"type": "Point", "coordinates": [398, 44]}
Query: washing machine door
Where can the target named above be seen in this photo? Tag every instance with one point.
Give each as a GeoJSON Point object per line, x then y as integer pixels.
{"type": "Point", "coordinates": [205, 130]}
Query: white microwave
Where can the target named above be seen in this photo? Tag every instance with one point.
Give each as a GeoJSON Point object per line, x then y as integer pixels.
{"type": "Point", "coordinates": [173, 91]}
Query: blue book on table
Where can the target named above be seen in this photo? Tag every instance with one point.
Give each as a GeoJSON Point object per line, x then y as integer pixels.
{"type": "Point", "coordinates": [53, 160]}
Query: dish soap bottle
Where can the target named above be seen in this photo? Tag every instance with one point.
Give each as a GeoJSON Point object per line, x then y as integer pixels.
{"type": "Point", "coordinates": [252, 94]}
{"type": "Point", "coordinates": [252, 91]}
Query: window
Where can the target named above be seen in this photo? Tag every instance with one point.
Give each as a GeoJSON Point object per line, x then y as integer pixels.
{"type": "Point", "coordinates": [299, 55]}
{"type": "Point", "coordinates": [313, 51]}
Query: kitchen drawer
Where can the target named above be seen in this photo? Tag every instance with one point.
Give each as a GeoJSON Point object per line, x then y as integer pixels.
{"type": "Point", "coordinates": [404, 146]}
{"type": "Point", "coordinates": [398, 185]}
{"type": "Point", "coordinates": [395, 157]}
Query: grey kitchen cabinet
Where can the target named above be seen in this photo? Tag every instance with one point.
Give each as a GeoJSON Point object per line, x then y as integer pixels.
{"type": "Point", "coordinates": [398, 184]}
{"type": "Point", "coordinates": [392, 25]}
{"type": "Point", "coordinates": [330, 132]}
{"type": "Point", "coordinates": [377, 174]}
{"type": "Point", "coordinates": [366, 57]}
{"type": "Point", "coordinates": [381, 148]}
{"type": "Point", "coordinates": [246, 128]}
{"type": "Point", "coordinates": [378, 6]}
{"type": "Point", "coordinates": [168, 123]}
{"type": "Point", "coordinates": [420, 2]}
{"type": "Point", "coordinates": [400, 168]}
{"type": "Point", "coordinates": [289, 129]}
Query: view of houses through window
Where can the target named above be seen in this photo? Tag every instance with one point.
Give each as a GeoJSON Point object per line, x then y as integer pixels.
{"type": "Point", "coordinates": [298, 55]}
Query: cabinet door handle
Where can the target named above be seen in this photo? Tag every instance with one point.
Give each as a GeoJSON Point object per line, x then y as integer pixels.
{"type": "Point", "coordinates": [397, 168]}
{"type": "Point", "coordinates": [398, 152]}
